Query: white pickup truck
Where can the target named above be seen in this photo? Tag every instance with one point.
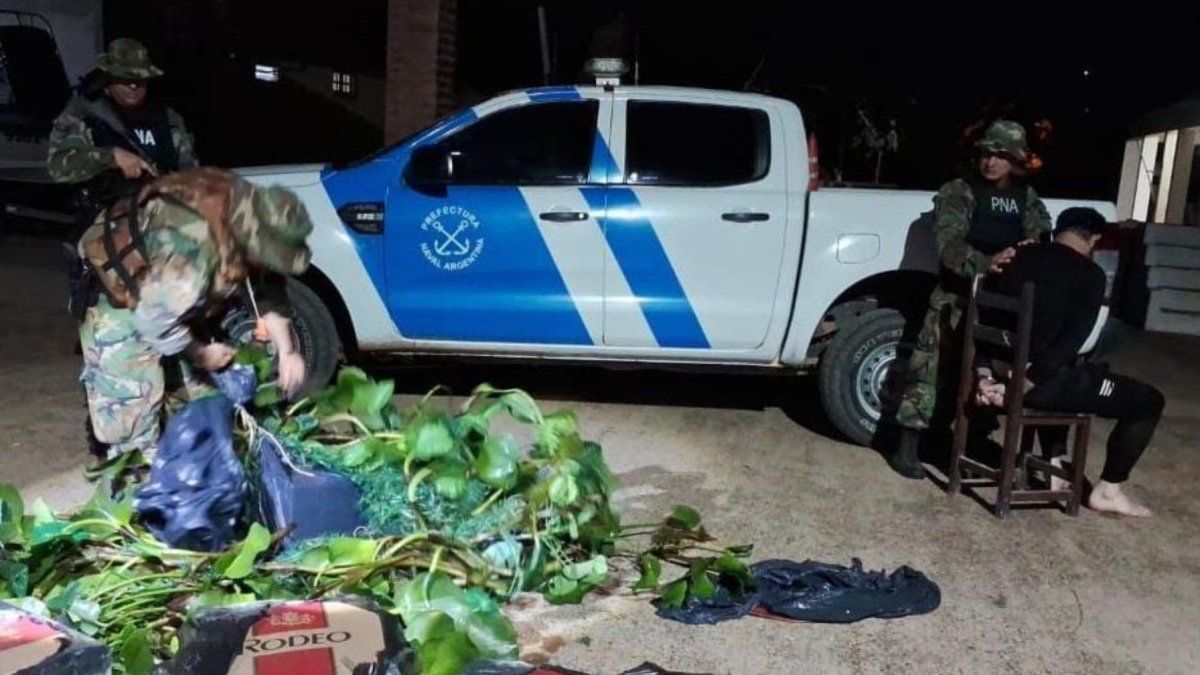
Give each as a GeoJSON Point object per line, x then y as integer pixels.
{"type": "Point", "coordinates": [647, 226]}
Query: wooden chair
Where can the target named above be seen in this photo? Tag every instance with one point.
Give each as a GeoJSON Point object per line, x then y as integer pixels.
{"type": "Point", "coordinates": [1011, 478]}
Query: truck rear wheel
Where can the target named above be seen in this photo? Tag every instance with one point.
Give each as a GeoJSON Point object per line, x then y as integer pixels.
{"type": "Point", "coordinates": [853, 376]}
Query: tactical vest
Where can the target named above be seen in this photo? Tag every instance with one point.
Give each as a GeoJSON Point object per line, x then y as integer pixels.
{"type": "Point", "coordinates": [115, 246]}
{"type": "Point", "coordinates": [147, 134]}
{"type": "Point", "coordinates": [998, 221]}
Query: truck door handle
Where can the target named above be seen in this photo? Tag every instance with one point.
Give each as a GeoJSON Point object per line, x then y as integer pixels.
{"type": "Point", "coordinates": [745, 217]}
{"type": "Point", "coordinates": [564, 216]}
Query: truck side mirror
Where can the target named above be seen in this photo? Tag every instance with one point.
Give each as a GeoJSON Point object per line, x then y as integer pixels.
{"type": "Point", "coordinates": [430, 169]}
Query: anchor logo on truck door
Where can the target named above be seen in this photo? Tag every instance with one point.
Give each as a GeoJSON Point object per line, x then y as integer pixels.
{"type": "Point", "coordinates": [454, 242]}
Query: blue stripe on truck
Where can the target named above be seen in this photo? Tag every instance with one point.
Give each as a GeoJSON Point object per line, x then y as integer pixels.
{"type": "Point", "coordinates": [646, 267]}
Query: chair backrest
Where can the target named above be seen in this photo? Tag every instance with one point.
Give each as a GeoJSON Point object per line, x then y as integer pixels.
{"type": "Point", "coordinates": [1004, 323]}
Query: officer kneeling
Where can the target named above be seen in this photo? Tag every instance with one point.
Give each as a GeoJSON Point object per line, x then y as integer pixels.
{"type": "Point", "coordinates": [167, 260]}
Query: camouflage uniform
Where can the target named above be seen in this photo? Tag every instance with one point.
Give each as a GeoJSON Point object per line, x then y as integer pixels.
{"type": "Point", "coordinates": [75, 156]}
{"type": "Point", "coordinates": [188, 270]}
{"type": "Point", "coordinates": [954, 209]}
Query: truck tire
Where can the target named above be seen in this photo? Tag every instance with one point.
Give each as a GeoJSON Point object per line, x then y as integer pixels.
{"type": "Point", "coordinates": [853, 373]}
{"type": "Point", "coordinates": [315, 334]}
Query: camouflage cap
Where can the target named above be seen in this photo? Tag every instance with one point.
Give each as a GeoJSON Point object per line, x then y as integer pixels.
{"type": "Point", "coordinates": [127, 59]}
{"type": "Point", "coordinates": [271, 224]}
{"type": "Point", "coordinates": [1005, 138]}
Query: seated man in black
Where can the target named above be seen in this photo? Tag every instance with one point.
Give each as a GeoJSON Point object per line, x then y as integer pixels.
{"type": "Point", "coordinates": [1069, 290]}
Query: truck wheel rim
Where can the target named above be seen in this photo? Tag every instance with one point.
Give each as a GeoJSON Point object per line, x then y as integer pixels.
{"type": "Point", "coordinates": [870, 378]}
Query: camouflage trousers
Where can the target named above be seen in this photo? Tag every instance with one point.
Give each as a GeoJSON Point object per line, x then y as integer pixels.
{"type": "Point", "coordinates": [934, 366]}
{"type": "Point", "coordinates": [126, 381]}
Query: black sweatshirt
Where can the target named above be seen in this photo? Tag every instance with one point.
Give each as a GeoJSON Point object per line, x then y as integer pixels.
{"type": "Point", "coordinates": [1068, 293]}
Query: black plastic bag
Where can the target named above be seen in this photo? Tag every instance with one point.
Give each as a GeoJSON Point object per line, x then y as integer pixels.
{"type": "Point", "coordinates": [197, 486]}
{"type": "Point", "coordinates": [817, 592]}
{"type": "Point", "coordinates": [825, 593]}
{"type": "Point", "coordinates": [312, 502]}
{"type": "Point", "coordinates": [724, 605]}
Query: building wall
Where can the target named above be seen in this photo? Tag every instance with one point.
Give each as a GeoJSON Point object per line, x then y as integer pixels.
{"type": "Point", "coordinates": [420, 64]}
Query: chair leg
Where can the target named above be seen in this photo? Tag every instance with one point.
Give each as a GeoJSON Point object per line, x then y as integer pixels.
{"type": "Point", "coordinates": [1012, 435]}
{"type": "Point", "coordinates": [1078, 460]}
{"type": "Point", "coordinates": [954, 479]}
{"type": "Point", "coordinates": [1027, 435]}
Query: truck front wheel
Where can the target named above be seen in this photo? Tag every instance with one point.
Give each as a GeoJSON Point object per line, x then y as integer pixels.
{"type": "Point", "coordinates": [313, 328]}
{"type": "Point", "coordinates": [853, 376]}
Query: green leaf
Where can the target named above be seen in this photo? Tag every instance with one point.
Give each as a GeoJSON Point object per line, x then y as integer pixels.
{"type": "Point", "coordinates": [15, 578]}
{"type": "Point", "coordinates": [267, 395]}
{"type": "Point", "coordinates": [85, 610]}
{"type": "Point", "coordinates": [564, 490]}
{"type": "Point", "coordinates": [497, 463]}
{"type": "Point", "coordinates": [257, 541]}
{"type": "Point", "coordinates": [317, 558]}
{"type": "Point", "coordinates": [445, 650]}
{"type": "Point", "coordinates": [470, 424]}
{"type": "Point", "coordinates": [741, 549]}
{"type": "Point", "coordinates": [338, 398]}
{"type": "Point", "coordinates": [351, 550]}
{"type": "Point", "coordinates": [61, 598]}
{"type": "Point", "coordinates": [219, 598]}
{"type": "Point", "coordinates": [256, 356]}
{"type": "Point", "coordinates": [492, 634]}
{"type": "Point", "coordinates": [702, 585]}
{"type": "Point", "coordinates": [450, 479]}
{"type": "Point", "coordinates": [46, 532]}
{"type": "Point", "coordinates": [674, 593]}
{"type": "Point", "coordinates": [362, 451]}
{"type": "Point", "coordinates": [41, 512]}
{"type": "Point", "coordinates": [521, 406]}
{"type": "Point", "coordinates": [432, 440]}
{"type": "Point", "coordinates": [135, 655]}
{"type": "Point", "coordinates": [685, 518]}
{"type": "Point", "coordinates": [554, 428]}
{"type": "Point", "coordinates": [592, 571]}
{"type": "Point", "coordinates": [575, 581]}
{"type": "Point", "coordinates": [12, 515]}
{"type": "Point", "coordinates": [368, 399]}
{"type": "Point", "coordinates": [563, 591]}
{"type": "Point", "coordinates": [651, 572]}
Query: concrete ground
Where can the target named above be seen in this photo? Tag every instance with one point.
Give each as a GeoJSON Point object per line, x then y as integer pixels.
{"type": "Point", "coordinates": [1040, 592]}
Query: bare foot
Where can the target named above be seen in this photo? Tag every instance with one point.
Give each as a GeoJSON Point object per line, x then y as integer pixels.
{"type": "Point", "coordinates": [1058, 484]}
{"type": "Point", "coordinates": [1110, 498]}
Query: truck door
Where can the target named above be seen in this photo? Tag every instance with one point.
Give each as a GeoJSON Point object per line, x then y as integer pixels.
{"type": "Point", "coordinates": [500, 246]}
{"type": "Point", "coordinates": [696, 219]}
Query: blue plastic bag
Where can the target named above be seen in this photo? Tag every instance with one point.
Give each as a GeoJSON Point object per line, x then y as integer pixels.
{"type": "Point", "coordinates": [197, 485]}
{"type": "Point", "coordinates": [311, 502]}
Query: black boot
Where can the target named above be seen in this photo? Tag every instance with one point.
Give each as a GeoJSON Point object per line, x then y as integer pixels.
{"type": "Point", "coordinates": [904, 459]}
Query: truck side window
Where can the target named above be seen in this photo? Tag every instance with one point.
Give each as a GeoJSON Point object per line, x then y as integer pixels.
{"type": "Point", "coordinates": [689, 144]}
{"type": "Point", "coordinates": [536, 144]}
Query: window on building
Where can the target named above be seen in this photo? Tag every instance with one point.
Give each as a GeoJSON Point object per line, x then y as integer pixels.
{"type": "Point", "coordinates": [266, 73]}
{"type": "Point", "coordinates": [343, 83]}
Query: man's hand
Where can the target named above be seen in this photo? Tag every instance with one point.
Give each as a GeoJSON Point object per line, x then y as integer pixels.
{"type": "Point", "coordinates": [291, 373]}
{"type": "Point", "coordinates": [211, 357]}
{"type": "Point", "coordinates": [1001, 259]}
{"type": "Point", "coordinates": [291, 364]}
{"type": "Point", "coordinates": [130, 164]}
{"type": "Point", "coordinates": [988, 392]}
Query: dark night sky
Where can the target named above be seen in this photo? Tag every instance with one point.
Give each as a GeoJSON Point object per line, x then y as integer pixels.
{"type": "Point", "coordinates": [932, 69]}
